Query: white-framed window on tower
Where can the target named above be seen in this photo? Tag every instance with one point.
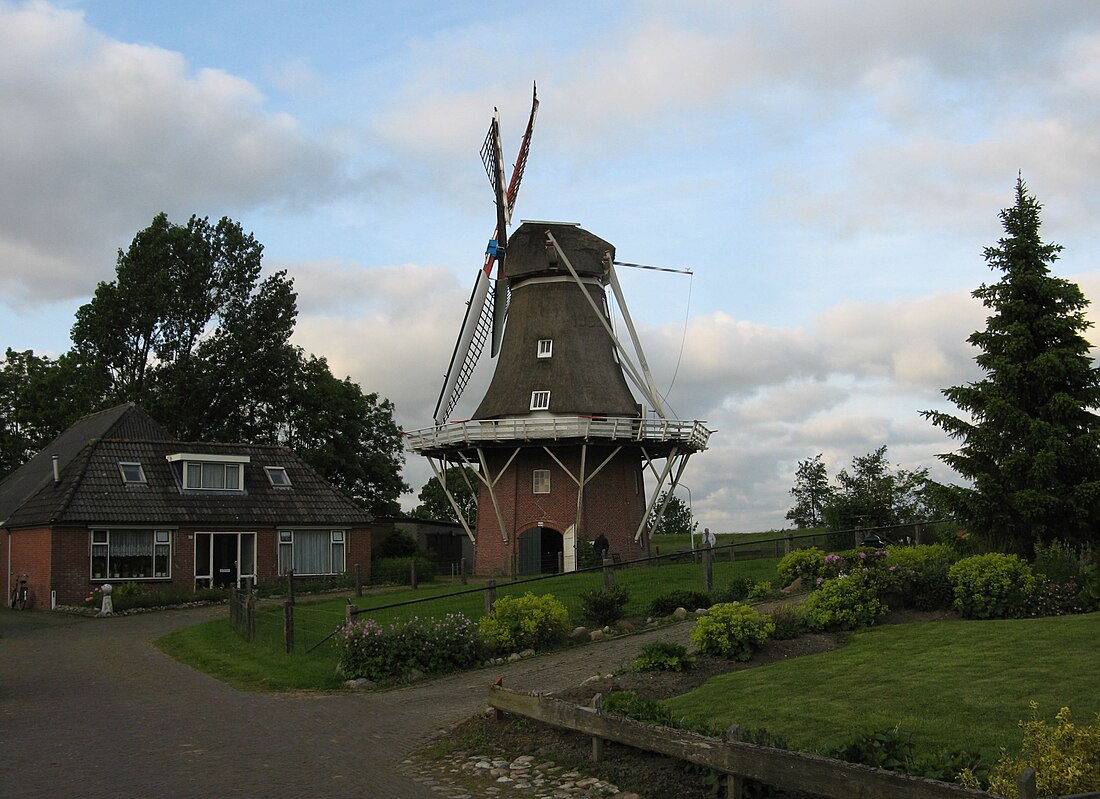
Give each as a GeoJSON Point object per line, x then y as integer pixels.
{"type": "Point", "coordinates": [546, 347]}
{"type": "Point", "coordinates": [540, 400]}
{"type": "Point", "coordinates": [540, 482]}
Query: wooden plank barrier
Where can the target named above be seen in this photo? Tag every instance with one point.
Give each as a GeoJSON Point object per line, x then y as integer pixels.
{"type": "Point", "coordinates": [794, 771]}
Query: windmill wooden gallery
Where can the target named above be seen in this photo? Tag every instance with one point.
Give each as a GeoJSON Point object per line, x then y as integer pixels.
{"type": "Point", "coordinates": [559, 444]}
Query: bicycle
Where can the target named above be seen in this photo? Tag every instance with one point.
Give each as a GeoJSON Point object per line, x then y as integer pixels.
{"type": "Point", "coordinates": [20, 595]}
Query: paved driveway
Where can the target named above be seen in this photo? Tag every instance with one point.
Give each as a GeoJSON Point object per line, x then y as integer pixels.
{"type": "Point", "coordinates": [90, 708]}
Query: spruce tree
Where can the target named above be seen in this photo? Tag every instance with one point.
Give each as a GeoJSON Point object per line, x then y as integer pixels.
{"type": "Point", "coordinates": [1030, 443]}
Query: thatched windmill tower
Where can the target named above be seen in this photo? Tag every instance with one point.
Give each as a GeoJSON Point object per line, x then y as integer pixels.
{"type": "Point", "coordinates": [559, 443]}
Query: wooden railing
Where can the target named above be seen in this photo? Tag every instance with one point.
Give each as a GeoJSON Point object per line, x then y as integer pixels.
{"type": "Point", "coordinates": [690, 434]}
{"type": "Point", "coordinates": [793, 771]}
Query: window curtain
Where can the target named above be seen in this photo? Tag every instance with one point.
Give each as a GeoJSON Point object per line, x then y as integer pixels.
{"type": "Point", "coordinates": [312, 550]}
{"type": "Point", "coordinates": [131, 543]}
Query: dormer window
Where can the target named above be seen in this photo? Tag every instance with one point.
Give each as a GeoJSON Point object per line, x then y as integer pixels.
{"type": "Point", "coordinates": [546, 347]}
{"type": "Point", "coordinates": [131, 472]}
{"type": "Point", "coordinates": [540, 400]}
{"type": "Point", "coordinates": [277, 476]}
{"type": "Point", "coordinates": [202, 472]}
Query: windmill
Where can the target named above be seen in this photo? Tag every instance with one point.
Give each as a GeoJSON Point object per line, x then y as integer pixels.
{"type": "Point", "coordinates": [559, 444]}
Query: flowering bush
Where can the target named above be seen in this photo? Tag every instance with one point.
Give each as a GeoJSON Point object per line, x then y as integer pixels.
{"type": "Point", "coordinates": [991, 586]}
{"type": "Point", "coordinates": [526, 622]}
{"type": "Point", "coordinates": [731, 630]}
{"type": "Point", "coordinates": [432, 645]}
{"type": "Point", "coordinates": [802, 564]}
{"type": "Point", "coordinates": [871, 563]}
{"type": "Point", "coordinates": [1066, 757]}
{"type": "Point", "coordinates": [919, 574]}
{"type": "Point", "coordinates": [848, 602]}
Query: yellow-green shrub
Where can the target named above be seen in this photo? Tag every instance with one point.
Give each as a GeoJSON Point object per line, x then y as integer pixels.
{"type": "Point", "coordinates": [991, 586]}
{"type": "Point", "coordinates": [804, 564]}
{"type": "Point", "coordinates": [731, 630]}
{"type": "Point", "coordinates": [1066, 757]}
{"type": "Point", "coordinates": [526, 622]}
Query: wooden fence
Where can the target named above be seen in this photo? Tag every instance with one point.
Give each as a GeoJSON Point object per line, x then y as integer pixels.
{"type": "Point", "coordinates": [793, 771]}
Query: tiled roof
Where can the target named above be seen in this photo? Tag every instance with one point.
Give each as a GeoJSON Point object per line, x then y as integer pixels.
{"type": "Point", "coordinates": [121, 421]}
{"type": "Point", "coordinates": [91, 490]}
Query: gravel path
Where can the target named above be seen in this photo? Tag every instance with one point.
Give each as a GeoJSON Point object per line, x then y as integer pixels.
{"type": "Point", "coordinates": [90, 708]}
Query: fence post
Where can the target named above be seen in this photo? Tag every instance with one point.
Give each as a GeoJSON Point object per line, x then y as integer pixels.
{"type": "Point", "coordinates": [708, 569]}
{"type": "Point", "coordinates": [358, 581]}
{"type": "Point", "coordinates": [1026, 784]}
{"type": "Point", "coordinates": [250, 617]}
{"type": "Point", "coordinates": [787, 544]}
{"type": "Point", "coordinates": [290, 585]}
{"type": "Point", "coordinates": [412, 574]}
{"type": "Point", "coordinates": [735, 783]}
{"type": "Point", "coordinates": [288, 626]}
{"type": "Point", "coordinates": [597, 743]}
{"type": "Point", "coordinates": [490, 596]}
{"type": "Point", "coordinates": [608, 574]}
{"type": "Point", "coordinates": [234, 614]}
{"type": "Point", "coordinates": [462, 569]}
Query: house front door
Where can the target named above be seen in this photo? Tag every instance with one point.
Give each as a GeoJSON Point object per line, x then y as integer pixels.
{"type": "Point", "coordinates": [224, 559]}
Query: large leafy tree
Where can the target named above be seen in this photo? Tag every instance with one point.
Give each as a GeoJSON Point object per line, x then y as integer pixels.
{"type": "Point", "coordinates": [192, 331]}
{"type": "Point", "coordinates": [434, 503]}
{"type": "Point", "coordinates": [1030, 439]}
{"type": "Point", "coordinates": [871, 493]}
{"type": "Point", "coordinates": [811, 493]}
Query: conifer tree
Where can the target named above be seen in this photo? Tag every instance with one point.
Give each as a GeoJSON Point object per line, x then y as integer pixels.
{"type": "Point", "coordinates": [1030, 440]}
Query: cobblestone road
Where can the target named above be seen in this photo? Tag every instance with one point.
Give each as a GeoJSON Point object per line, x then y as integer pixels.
{"type": "Point", "coordinates": [90, 708]}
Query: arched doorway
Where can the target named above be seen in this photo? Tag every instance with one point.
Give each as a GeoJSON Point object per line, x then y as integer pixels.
{"type": "Point", "coordinates": [540, 551]}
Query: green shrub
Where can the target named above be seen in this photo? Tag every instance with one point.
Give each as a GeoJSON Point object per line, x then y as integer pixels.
{"type": "Point", "coordinates": [731, 630]}
{"type": "Point", "coordinates": [991, 586]}
{"type": "Point", "coordinates": [802, 564]}
{"type": "Point", "coordinates": [762, 590]}
{"type": "Point", "coordinates": [432, 645]}
{"type": "Point", "coordinates": [737, 589]}
{"type": "Point", "coordinates": [844, 603]}
{"type": "Point", "coordinates": [587, 557]}
{"type": "Point", "coordinates": [919, 575]}
{"type": "Point", "coordinates": [893, 750]}
{"type": "Point", "coordinates": [667, 602]}
{"type": "Point", "coordinates": [396, 544]}
{"type": "Point", "coordinates": [788, 623]}
{"type": "Point", "coordinates": [603, 607]}
{"type": "Point", "coordinates": [397, 571]}
{"type": "Point", "coordinates": [1066, 757]}
{"type": "Point", "coordinates": [629, 704]}
{"type": "Point", "coordinates": [663, 656]}
{"type": "Point", "coordinates": [526, 622]}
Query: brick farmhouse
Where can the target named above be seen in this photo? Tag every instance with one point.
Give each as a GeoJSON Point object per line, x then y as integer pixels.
{"type": "Point", "coordinates": [114, 499]}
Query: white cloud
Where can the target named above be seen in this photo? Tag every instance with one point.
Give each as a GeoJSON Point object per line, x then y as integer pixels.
{"type": "Point", "coordinates": [101, 135]}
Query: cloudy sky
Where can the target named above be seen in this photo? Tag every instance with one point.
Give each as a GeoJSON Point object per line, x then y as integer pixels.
{"type": "Point", "coordinates": [830, 171]}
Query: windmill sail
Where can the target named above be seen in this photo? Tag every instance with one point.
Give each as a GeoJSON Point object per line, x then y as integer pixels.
{"type": "Point", "coordinates": [486, 309]}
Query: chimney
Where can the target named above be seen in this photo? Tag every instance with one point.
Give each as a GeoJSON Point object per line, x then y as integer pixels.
{"type": "Point", "coordinates": [56, 470]}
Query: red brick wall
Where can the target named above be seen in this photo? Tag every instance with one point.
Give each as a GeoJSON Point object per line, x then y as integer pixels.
{"type": "Point", "coordinates": [30, 555]}
{"type": "Point", "coordinates": [59, 560]}
{"type": "Point", "coordinates": [614, 502]}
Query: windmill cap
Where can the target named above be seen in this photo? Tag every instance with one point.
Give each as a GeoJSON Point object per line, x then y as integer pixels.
{"type": "Point", "coordinates": [527, 254]}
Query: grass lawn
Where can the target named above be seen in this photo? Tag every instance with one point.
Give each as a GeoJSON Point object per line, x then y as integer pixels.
{"type": "Point", "coordinates": [263, 665]}
{"type": "Point", "coordinates": [954, 684]}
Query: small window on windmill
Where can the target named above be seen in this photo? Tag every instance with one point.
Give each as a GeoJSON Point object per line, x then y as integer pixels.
{"type": "Point", "coordinates": [541, 481]}
{"type": "Point", "coordinates": [546, 347]}
{"type": "Point", "coordinates": [540, 400]}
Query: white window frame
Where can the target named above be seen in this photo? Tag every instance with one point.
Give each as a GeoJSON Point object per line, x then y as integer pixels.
{"type": "Point", "coordinates": [545, 348]}
{"type": "Point", "coordinates": [540, 481]}
{"type": "Point", "coordinates": [188, 459]}
{"type": "Point", "coordinates": [161, 545]}
{"type": "Point", "coordinates": [337, 552]}
{"type": "Point", "coordinates": [540, 400]}
{"type": "Point", "coordinates": [124, 465]}
{"type": "Point", "coordinates": [283, 481]}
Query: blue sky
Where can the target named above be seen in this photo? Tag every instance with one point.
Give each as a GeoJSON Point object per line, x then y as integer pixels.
{"type": "Point", "coordinates": [830, 171]}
